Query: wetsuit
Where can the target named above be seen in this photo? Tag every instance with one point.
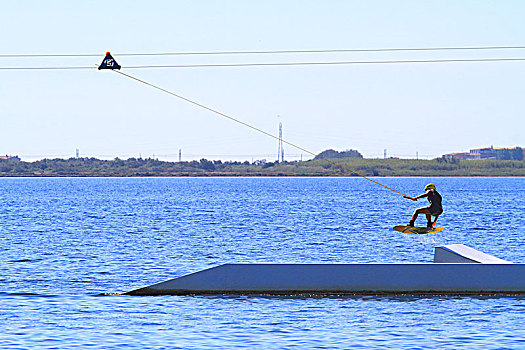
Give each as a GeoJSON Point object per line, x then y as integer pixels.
{"type": "Point", "coordinates": [434, 198]}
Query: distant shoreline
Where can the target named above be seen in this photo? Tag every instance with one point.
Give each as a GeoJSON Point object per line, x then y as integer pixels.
{"type": "Point", "coordinates": [91, 167]}
{"type": "Point", "coordinates": [211, 175]}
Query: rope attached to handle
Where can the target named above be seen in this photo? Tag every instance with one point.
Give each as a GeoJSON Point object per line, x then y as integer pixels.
{"type": "Point", "coordinates": [255, 128]}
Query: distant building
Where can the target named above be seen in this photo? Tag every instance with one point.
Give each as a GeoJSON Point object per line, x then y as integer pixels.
{"type": "Point", "coordinates": [458, 155]}
{"type": "Point", "coordinates": [489, 153]}
{"type": "Point", "coordinates": [485, 153]}
{"type": "Point", "coordinates": [10, 158]}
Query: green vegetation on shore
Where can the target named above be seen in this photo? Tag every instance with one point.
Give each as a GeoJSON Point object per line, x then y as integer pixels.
{"type": "Point", "coordinates": [315, 167]}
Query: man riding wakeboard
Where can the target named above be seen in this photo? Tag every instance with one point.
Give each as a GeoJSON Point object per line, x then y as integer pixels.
{"type": "Point", "coordinates": [434, 209]}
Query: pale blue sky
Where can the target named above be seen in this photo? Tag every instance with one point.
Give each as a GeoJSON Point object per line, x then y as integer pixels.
{"type": "Point", "coordinates": [406, 108]}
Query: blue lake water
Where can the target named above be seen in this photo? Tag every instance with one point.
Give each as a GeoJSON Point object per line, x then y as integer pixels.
{"type": "Point", "coordinates": [66, 242]}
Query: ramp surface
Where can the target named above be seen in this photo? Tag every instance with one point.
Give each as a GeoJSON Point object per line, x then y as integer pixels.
{"type": "Point", "coordinates": [461, 254]}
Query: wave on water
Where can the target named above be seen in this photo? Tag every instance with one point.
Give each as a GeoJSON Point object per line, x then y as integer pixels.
{"type": "Point", "coordinates": [27, 294]}
{"type": "Point", "coordinates": [25, 260]}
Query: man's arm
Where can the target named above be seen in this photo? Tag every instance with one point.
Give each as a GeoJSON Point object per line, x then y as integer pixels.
{"type": "Point", "coordinates": [418, 197]}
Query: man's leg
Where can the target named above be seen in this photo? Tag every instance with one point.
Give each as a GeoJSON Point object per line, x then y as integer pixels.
{"type": "Point", "coordinates": [435, 220]}
{"type": "Point", "coordinates": [429, 220]}
{"type": "Point", "coordinates": [416, 213]}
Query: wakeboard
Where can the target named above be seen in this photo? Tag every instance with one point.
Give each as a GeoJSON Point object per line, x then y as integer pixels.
{"type": "Point", "coordinates": [414, 230]}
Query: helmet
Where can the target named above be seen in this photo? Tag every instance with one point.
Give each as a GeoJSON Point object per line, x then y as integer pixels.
{"type": "Point", "coordinates": [430, 187]}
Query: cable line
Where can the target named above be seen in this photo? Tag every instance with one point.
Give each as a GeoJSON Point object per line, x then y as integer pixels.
{"type": "Point", "coordinates": [225, 65]}
{"type": "Point", "coordinates": [264, 52]}
{"type": "Point", "coordinates": [253, 128]}
{"type": "Point", "coordinates": [47, 68]}
{"type": "Point", "coordinates": [219, 65]}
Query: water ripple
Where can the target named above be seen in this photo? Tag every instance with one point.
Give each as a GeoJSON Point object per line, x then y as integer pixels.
{"type": "Point", "coordinates": [69, 246]}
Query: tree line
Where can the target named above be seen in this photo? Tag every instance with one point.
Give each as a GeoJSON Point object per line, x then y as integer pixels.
{"type": "Point", "coordinates": [314, 167]}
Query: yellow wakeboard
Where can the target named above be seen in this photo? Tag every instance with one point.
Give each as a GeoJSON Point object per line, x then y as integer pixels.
{"type": "Point", "coordinates": [414, 230]}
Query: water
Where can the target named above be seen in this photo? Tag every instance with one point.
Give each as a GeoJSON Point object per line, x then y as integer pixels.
{"type": "Point", "coordinates": [67, 241]}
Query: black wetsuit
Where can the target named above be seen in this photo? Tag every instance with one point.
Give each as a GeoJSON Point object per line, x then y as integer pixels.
{"type": "Point", "coordinates": [435, 207]}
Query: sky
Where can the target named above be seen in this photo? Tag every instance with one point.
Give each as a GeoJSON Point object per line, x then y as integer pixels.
{"type": "Point", "coordinates": [423, 109]}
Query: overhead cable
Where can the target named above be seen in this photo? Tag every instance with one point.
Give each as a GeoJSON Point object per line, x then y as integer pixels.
{"type": "Point", "coordinates": [264, 52]}
{"type": "Point", "coordinates": [225, 65]}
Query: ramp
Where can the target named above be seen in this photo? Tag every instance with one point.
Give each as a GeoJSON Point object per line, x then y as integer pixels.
{"type": "Point", "coordinates": [365, 279]}
{"type": "Point", "coordinates": [461, 254]}
{"type": "Point", "coordinates": [457, 269]}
